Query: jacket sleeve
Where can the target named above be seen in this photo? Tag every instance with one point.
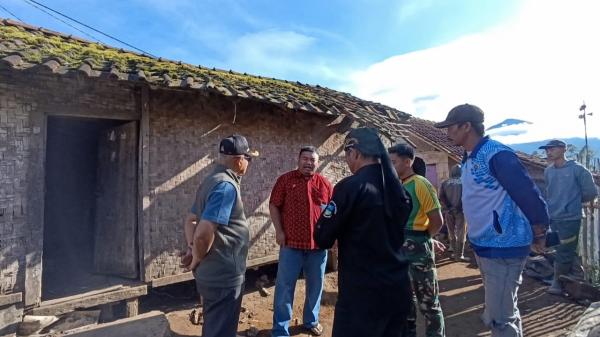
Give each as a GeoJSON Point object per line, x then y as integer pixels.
{"type": "Point", "coordinates": [512, 175]}
{"type": "Point", "coordinates": [334, 217]}
{"type": "Point", "coordinates": [585, 180]}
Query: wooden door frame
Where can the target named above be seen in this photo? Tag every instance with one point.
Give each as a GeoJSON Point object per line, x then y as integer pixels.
{"type": "Point", "coordinates": [33, 283]}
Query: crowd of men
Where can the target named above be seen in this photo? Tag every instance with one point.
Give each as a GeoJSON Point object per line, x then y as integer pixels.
{"type": "Point", "coordinates": [384, 218]}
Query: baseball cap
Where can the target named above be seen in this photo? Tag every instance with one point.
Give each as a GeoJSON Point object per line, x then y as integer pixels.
{"type": "Point", "coordinates": [553, 143]}
{"type": "Point", "coordinates": [460, 114]}
{"type": "Point", "coordinates": [236, 145]}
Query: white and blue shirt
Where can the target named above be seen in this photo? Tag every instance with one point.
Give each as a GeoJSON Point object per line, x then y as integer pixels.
{"type": "Point", "coordinates": [500, 201]}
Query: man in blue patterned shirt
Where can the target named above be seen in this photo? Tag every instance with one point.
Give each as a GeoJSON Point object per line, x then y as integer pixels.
{"type": "Point", "coordinates": [506, 214]}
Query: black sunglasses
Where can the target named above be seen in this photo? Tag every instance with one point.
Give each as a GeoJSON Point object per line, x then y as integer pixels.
{"type": "Point", "coordinates": [248, 157]}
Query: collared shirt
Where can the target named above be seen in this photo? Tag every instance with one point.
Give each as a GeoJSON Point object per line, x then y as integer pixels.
{"type": "Point", "coordinates": [300, 200]}
{"type": "Point", "coordinates": [424, 200]}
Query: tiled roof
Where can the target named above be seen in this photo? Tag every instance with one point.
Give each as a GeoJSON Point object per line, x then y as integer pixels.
{"type": "Point", "coordinates": [437, 138]}
{"type": "Point", "coordinates": [27, 47]}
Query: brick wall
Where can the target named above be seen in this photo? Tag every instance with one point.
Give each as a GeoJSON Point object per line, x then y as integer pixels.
{"type": "Point", "coordinates": [184, 134]}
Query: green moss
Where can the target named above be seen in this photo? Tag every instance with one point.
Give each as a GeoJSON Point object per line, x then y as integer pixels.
{"type": "Point", "coordinates": [39, 46]}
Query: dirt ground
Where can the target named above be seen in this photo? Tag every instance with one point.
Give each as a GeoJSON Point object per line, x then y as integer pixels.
{"type": "Point", "coordinates": [461, 296]}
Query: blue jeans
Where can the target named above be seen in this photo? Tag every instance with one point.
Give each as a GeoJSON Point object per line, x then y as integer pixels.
{"type": "Point", "coordinates": [291, 262]}
{"type": "Point", "coordinates": [501, 281]}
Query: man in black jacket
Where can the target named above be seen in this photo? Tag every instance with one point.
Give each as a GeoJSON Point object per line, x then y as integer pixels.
{"type": "Point", "coordinates": [367, 216]}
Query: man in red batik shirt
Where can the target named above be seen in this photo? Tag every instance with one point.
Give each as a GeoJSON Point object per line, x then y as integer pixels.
{"type": "Point", "coordinates": [295, 205]}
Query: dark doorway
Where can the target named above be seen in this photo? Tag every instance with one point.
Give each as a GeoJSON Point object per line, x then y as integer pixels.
{"type": "Point", "coordinates": [90, 206]}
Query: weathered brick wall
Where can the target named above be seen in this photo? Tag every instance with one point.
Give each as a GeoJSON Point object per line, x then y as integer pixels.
{"type": "Point", "coordinates": [25, 99]}
{"type": "Point", "coordinates": [184, 134]}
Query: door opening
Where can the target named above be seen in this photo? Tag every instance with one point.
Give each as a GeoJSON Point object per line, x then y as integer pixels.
{"type": "Point", "coordinates": [90, 222]}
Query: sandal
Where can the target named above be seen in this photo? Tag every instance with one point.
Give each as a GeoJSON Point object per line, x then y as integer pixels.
{"type": "Point", "coordinates": [316, 330]}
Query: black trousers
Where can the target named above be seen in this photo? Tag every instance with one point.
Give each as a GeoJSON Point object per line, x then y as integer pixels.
{"type": "Point", "coordinates": [220, 310]}
{"type": "Point", "coordinates": [373, 312]}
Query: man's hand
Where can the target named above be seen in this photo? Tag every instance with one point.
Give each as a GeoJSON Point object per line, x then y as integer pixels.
{"type": "Point", "coordinates": [280, 238]}
{"type": "Point", "coordinates": [438, 247]}
{"type": "Point", "coordinates": [538, 245]}
{"type": "Point", "coordinates": [185, 257]}
{"type": "Point", "coordinates": [188, 261]}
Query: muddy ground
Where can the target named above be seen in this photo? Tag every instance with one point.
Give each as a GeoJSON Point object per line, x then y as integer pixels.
{"type": "Point", "coordinates": [461, 296]}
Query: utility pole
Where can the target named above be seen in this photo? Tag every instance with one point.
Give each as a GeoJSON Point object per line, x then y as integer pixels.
{"type": "Point", "coordinates": [583, 116]}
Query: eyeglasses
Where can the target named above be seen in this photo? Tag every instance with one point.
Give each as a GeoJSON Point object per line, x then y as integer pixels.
{"type": "Point", "coordinates": [348, 147]}
{"type": "Point", "coordinates": [248, 157]}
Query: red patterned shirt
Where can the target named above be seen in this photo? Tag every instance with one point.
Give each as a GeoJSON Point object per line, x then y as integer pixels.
{"type": "Point", "coordinates": [299, 199]}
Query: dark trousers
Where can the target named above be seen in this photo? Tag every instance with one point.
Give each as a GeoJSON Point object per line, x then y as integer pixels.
{"type": "Point", "coordinates": [221, 310]}
{"type": "Point", "coordinates": [380, 312]}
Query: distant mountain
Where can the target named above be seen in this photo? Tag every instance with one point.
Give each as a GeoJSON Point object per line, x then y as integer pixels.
{"type": "Point", "coordinates": [579, 143]}
{"type": "Point", "coordinates": [508, 122]}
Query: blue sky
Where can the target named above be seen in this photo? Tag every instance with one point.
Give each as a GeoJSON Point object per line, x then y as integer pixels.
{"type": "Point", "coordinates": [420, 56]}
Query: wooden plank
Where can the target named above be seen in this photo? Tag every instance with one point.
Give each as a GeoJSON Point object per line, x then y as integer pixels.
{"type": "Point", "coordinates": [33, 273]}
{"type": "Point", "coordinates": [82, 295]}
{"type": "Point", "coordinates": [151, 324]}
{"type": "Point", "coordinates": [261, 261]}
{"type": "Point", "coordinates": [163, 281]}
{"type": "Point", "coordinates": [89, 301]}
{"type": "Point", "coordinates": [143, 171]}
{"type": "Point", "coordinates": [131, 307]}
{"type": "Point", "coordinates": [115, 248]}
{"type": "Point", "coordinates": [9, 299]}
{"type": "Point", "coordinates": [94, 113]}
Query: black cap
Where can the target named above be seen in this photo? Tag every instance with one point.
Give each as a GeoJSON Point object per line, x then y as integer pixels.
{"type": "Point", "coordinates": [553, 143]}
{"type": "Point", "coordinates": [403, 150]}
{"type": "Point", "coordinates": [419, 167]}
{"type": "Point", "coordinates": [236, 145]}
{"type": "Point", "coordinates": [461, 114]}
{"type": "Point", "coordinates": [365, 140]}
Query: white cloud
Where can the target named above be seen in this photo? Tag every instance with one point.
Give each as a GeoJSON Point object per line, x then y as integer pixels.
{"type": "Point", "coordinates": [538, 67]}
{"type": "Point", "coordinates": [279, 53]}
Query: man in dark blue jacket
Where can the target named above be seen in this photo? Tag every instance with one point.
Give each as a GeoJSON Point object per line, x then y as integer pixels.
{"type": "Point", "coordinates": [506, 215]}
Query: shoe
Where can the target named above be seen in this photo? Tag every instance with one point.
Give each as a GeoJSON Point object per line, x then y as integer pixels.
{"type": "Point", "coordinates": [316, 330]}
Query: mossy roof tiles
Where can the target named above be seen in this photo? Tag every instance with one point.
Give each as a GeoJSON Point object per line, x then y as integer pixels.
{"type": "Point", "coordinates": [23, 47]}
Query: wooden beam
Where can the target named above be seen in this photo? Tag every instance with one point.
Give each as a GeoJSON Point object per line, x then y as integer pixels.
{"type": "Point", "coordinates": [104, 114]}
{"type": "Point", "coordinates": [163, 281]}
{"type": "Point", "coordinates": [144, 247]}
{"type": "Point", "coordinates": [89, 301]}
{"type": "Point", "coordinates": [254, 263]}
{"type": "Point", "coordinates": [9, 299]}
{"type": "Point", "coordinates": [261, 261]}
{"type": "Point", "coordinates": [82, 295]}
{"type": "Point", "coordinates": [131, 307]}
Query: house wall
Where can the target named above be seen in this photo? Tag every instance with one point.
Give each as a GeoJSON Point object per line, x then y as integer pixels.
{"type": "Point", "coordinates": [185, 129]}
{"type": "Point", "coordinates": [26, 98]}
{"type": "Point", "coordinates": [443, 162]}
